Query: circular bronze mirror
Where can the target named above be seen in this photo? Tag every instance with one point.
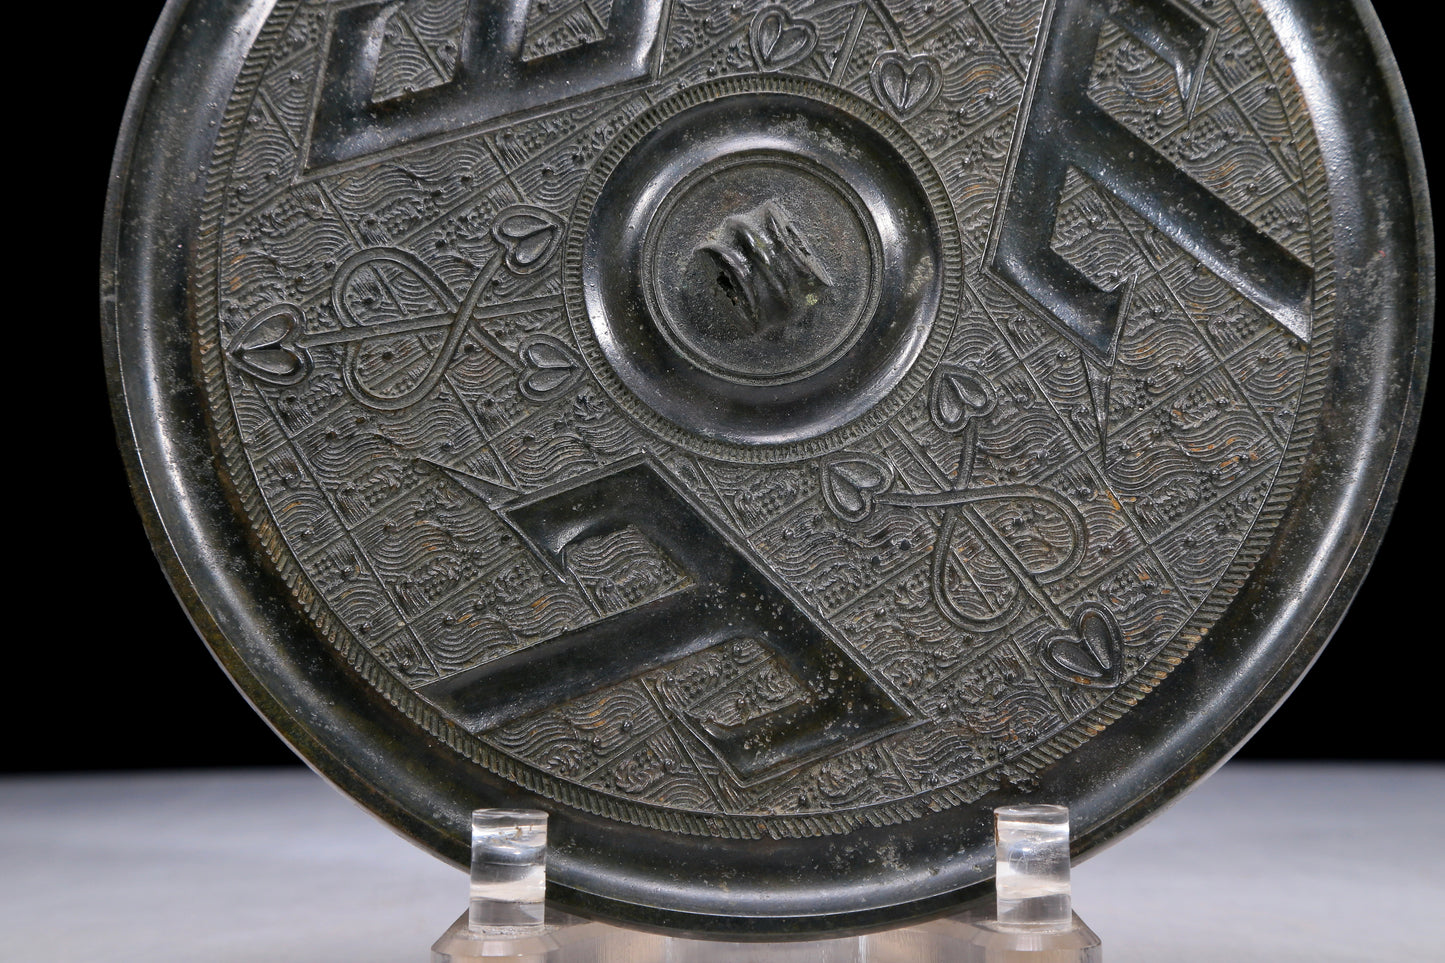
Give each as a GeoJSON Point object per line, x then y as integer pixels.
{"type": "Point", "coordinates": [766, 436]}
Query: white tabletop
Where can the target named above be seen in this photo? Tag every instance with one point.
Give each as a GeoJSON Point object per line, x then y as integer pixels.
{"type": "Point", "coordinates": [1278, 862]}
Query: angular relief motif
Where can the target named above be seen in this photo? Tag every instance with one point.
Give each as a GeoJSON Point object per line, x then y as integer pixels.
{"type": "Point", "coordinates": [941, 603]}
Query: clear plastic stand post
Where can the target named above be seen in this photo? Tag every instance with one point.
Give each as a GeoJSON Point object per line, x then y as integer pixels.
{"type": "Point", "coordinates": [506, 918]}
{"type": "Point", "coordinates": [509, 871]}
{"type": "Point", "coordinates": [1031, 871]}
{"type": "Point", "coordinates": [1035, 919]}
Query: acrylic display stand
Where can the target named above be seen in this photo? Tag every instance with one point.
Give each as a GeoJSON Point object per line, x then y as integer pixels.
{"type": "Point", "coordinates": [508, 917]}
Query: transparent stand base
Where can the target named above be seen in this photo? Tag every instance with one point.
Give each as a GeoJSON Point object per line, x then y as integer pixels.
{"type": "Point", "coordinates": [962, 938]}
{"type": "Point", "coordinates": [989, 941]}
{"type": "Point", "coordinates": [1032, 922]}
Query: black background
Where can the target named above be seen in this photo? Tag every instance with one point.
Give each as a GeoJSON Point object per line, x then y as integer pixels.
{"type": "Point", "coordinates": [106, 672]}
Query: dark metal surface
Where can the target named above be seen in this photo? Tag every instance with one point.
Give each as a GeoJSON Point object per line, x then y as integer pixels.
{"type": "Point", "coordinates": [823, 425]}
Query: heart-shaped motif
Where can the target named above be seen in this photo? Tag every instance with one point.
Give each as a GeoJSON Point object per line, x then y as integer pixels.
{"type": "Point", "coordinates": [1092, 655]}
{"type": "Point", "coordinates": [530, 236]}
{"type": "Point", "coordinates": [548, 368]}
{"type": "Point", "coordinates": [851, 480]}
{"type": "Point", "coordinates": [957, 396]}
{"type": "Point", "coordinates": [906, 84]}
{"type": "Point", "coordinates": [779, 40]}
{"type": "Point", "coordinates": [266, 347]}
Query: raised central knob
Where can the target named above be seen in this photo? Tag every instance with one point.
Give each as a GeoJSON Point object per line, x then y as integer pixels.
{"type": "Point", "coordinates": [778, 287]}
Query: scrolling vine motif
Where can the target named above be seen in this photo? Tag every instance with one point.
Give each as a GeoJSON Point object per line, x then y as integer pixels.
{"type": "Point", "coordinates": [274, 346]}
{"type": "Point", "coordinates": [1088, 647]}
